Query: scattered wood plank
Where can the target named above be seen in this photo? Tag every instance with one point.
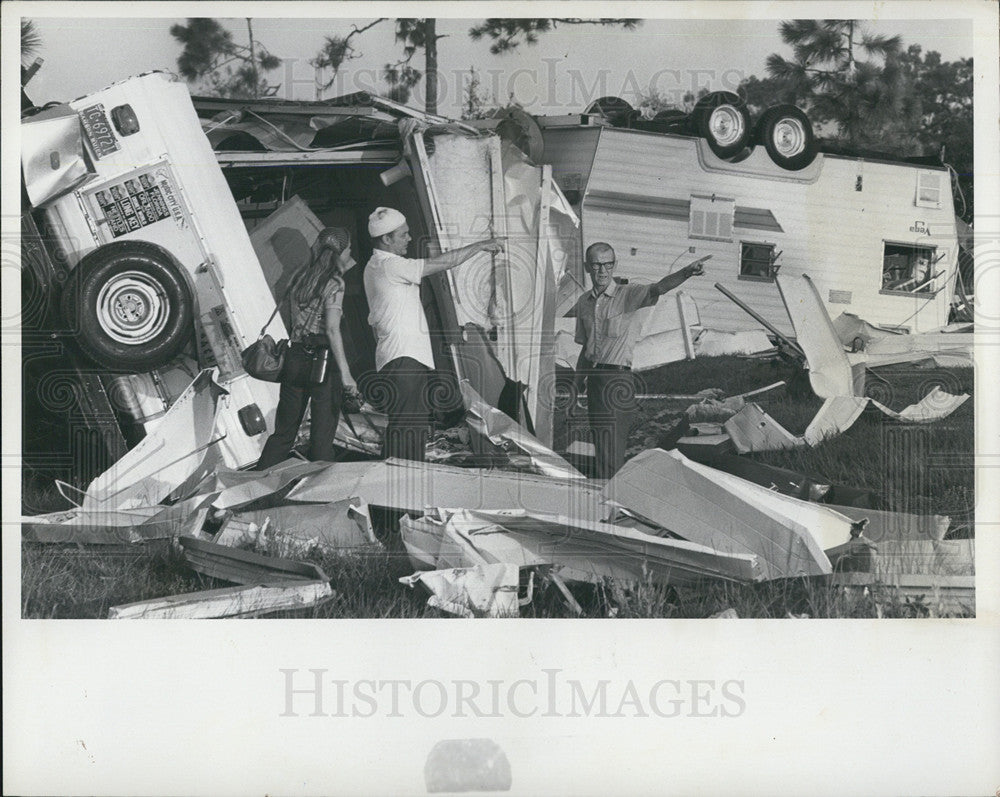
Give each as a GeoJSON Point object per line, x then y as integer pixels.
{"type": "Point", "coordinates": [245, 567]}
{"type": "Point", "coordinates": [247, 601]}
{"type": "Point", "coordinates": [571, 602]}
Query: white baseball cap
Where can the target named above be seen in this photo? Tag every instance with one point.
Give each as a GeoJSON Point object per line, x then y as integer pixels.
{"type": "Point", "coordinates": [384, 220]}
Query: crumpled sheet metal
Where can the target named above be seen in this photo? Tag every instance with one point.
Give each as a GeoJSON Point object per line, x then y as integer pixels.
{"type": "Point", "coordinates": [482, 591]}
{"type": "Point", "coordinates": [52, 154]}
{"type": "Point", "coordinates": [884, 525]}
{"type": "Point", "coordinates": [946, 348]}
{"type": "Point", "coordinates": [246, 567]}
{"type": "Point", "coordinates": [100, 527]}
{"type": "Point", "coordinates": [500, 428]}
{"type": "Point", "coordinates": [839, 413]}
{"type": "Point", "coordinates": [582, 551]}
{"type": "Point", "coordinates": [166, 457]}
{"type": "Point", "coordinates": [242, 601]}
{"type": "Point", "coordinates": [243, 487]}
{"type": "Point", "coordinates": [752, 429]}
{"type": "Point", "coordinates": [414, 486]}
{"type": "Point", "coordinates": [729, 514]}
{"type": "Point", "coordinates": [294, 529]}
{"type": "Point", "coordinates": [114, 527]}
{"type": "Point", "coordinates": [831, 372]}
{"type": "Point", "coordinates": [592, 551]}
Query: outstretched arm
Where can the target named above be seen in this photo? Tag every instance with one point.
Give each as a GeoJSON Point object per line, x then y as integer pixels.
{"type": "Point", "coordinates": [455, 257]}
{"type": "Point", "coordinates": [671, 281]}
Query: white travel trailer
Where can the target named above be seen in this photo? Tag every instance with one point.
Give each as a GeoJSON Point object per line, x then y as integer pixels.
{"type": "Point", "coordinates": [160, 277]}
{"type": "Point", "coordinates": [174, 224]}
{"type": "Point", "coordinates": [878, 238]}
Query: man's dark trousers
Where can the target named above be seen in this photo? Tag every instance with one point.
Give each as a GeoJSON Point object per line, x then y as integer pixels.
{"type": "Point", "coordinates": [402, 389]}
{"type": "Point", "coordinates": [611, 407]}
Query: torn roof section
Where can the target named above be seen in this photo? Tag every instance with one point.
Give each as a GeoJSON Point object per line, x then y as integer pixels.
{"type": "Point", "coordinates": [354, 121]}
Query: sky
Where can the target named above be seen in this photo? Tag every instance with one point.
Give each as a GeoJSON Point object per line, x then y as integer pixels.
{"type": "Point", "coordinates": [563, 73]}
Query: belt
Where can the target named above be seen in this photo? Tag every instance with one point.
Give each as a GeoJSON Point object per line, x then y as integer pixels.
{"type": "Point", "coordinates": [604, 367]}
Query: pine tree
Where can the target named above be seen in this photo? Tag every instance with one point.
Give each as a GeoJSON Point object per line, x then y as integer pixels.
{"type": "Point", "coordinates": [416, 34]}
{"type": "Point", "coordinates": [847, 76]}
{"type": "Point", "coordinates": [225, 68]}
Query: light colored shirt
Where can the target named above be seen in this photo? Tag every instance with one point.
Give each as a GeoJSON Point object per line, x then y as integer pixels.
{"type": "Point", "coordinates": [604, 322]}
{"type": "Point", "coordinates": [392, 285]}
{"type": "Point", "coordinates": [310, 318]}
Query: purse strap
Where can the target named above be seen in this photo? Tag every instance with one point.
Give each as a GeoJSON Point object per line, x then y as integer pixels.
{"type": "Point", "coordinates": [284, 297]}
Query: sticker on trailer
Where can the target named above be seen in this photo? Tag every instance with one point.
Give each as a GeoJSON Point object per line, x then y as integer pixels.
{"type": "Point", "coordinates": [133, 203]}
{"type": "Point", "coordinates": [98, 129]}
{"type": "Point", "coordinates": [170, 196]}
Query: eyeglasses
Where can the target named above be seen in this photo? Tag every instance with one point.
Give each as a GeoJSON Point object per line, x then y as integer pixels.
{"type": "Point", "coordinates": [608, 266]}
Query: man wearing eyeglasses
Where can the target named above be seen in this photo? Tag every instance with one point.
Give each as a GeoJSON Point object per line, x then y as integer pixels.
{"type": "Point", "coordinates": [604, 317]}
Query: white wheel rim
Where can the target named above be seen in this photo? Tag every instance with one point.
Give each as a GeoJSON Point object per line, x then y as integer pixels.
{"type": "Point", "coordinates": [789, 137]}
{"type": "Point", "coordinates": [132, 308]}
{"type": "Point", "coordinates": [726, 125]}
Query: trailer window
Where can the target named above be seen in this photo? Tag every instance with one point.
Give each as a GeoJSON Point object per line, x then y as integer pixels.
{"type": "Point", "coordinates": [929, 186]}
{"type": "Point", "coordinates": [757, 261]}
{"type": "Point", "coordinates": [907, 268]}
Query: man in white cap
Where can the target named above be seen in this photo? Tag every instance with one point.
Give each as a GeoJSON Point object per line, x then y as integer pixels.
{"type": "Point", "coordinates": [403, 355]}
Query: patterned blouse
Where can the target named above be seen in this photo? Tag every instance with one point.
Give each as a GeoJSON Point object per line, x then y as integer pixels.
{"type": "Point", "coordinates": [309, 318]}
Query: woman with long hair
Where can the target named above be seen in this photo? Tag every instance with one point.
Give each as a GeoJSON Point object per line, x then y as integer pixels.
{"type": "Point", "coordinates": [316, 300]}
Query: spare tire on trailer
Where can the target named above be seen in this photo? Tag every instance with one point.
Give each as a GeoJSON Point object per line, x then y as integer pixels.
{"type": "Point", "coordinates": [787, 135]}
{"type": "Point", "coordinates": [723, 120]}
{"type": "Point", "coordinates": [129, 306]}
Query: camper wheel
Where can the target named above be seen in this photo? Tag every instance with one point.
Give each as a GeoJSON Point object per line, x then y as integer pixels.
{"type": "Point", "coordinates": [129, 306]}
{"type": "Point", "coordinates": [722, 119]}
{"type": "Point", "coordinates": [787, 135]}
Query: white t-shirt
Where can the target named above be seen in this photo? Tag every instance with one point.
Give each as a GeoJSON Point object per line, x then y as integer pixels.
{"type": "Point", "coordinates": [392, 284]}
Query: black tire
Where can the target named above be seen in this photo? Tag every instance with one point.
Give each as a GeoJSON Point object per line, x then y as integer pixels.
{"type": "Point", "coordinates": [722, 119]}
{"type": "Point", "coordinates": [787, 135]}
{"type": "Point", "coordinates": [129, 306]}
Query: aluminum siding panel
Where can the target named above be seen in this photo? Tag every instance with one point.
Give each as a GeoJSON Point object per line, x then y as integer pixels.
{"type": "Point", "coordinates": [830, 230]}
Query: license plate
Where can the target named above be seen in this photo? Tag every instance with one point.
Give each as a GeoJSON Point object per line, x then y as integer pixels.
{"type": "Point", "coordinates": [98, 129]}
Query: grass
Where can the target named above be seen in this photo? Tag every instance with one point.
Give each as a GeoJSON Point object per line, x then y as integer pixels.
{"type": "Point", "coordinates": [916, 468]}
{"type": "Point", "coordinates": [67, 584]}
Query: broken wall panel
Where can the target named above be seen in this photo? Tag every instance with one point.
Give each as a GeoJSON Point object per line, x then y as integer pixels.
{"type": "Point", "coordinates": [884, 525]}
{"type": "Point", "coordinates": [226, 602]}
{"type": "Point", "coordinates": [729, 514]}
{"type": "Point", "coordinates": [166, 457]}
{"type": "Point", "coordinates": [245, 567]}
{"type": "Point", "coordinates": [787, 482]}
{"type": "Point", "coordinates": [607, 550]}
{"type": "Point", "coordinates": [413, 487]}
{"type": "Point", "coordinates": [830, 370]}
{"type": "Point", "coordinates": [501, 429]}
{"type": "Point", "coordinates": [487, 590]}
{"type": "Point", "coordinates": [244, 487]}
{"type": "Point", "coordinates": [337, 527]}
{"type": "Point", "coordinates": [752, 429]}
{"type": "Point", "coordinates": [839, 413]}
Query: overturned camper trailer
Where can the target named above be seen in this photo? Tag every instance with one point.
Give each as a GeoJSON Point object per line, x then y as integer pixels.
{"type": "Point", "coordinates": [876, 235]}
{"type": "Point", "coordinates": [878, 238]}
{"type": "Point", "coordinates": [161, 250]}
